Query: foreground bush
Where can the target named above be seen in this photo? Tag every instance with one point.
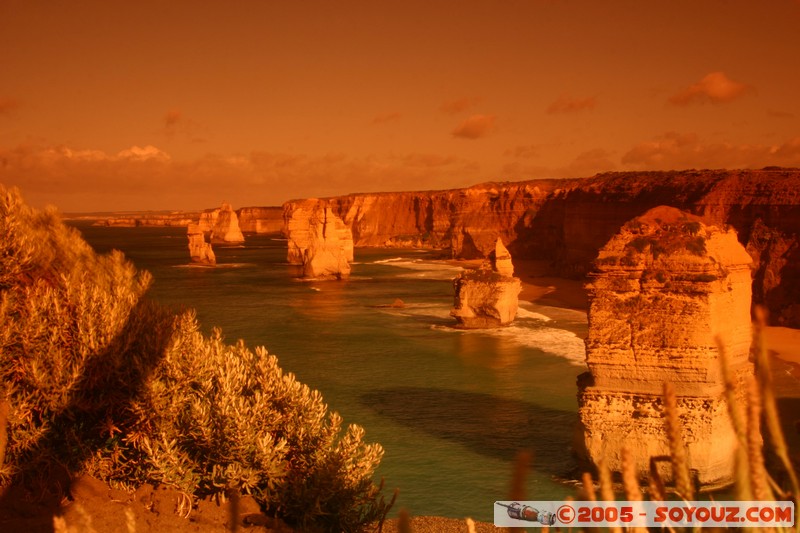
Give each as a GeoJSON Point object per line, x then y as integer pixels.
{"type": "Point", "coordinates": [97, 379]}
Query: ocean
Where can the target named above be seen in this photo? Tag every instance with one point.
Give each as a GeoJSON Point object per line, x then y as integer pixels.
{"type": "Point", "coordinates": [450, 407]}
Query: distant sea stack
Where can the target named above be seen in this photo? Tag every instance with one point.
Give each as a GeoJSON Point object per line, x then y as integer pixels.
{"type": "Point", "coordinates": [200, 250]}
{"type": "Point", "coordinates": [319, 241]}
{"type": "Point", "coordinates": [487, 297]}
{"type": "Point", "coordinates": [226, 227]}
{"type": "Point", "coordinates": [662, 289]}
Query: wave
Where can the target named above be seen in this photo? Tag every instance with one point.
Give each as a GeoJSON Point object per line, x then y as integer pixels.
{"type": "Point", "coordinates": [554, 341]}
{"type": "Point", "coordinates": [525, 313]}
{"type": "Point", "coordinates": [419, 310]}
{"type": "Point", "coordinates": [418, 264]}
{"type": "Point", "coordinates": [392, 260]}
{"type": "Point", "coordinates": [218, 265]}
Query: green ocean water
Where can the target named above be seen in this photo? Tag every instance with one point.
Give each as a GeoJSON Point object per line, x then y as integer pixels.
{"type": "Point", "coordinates": [451, 408]}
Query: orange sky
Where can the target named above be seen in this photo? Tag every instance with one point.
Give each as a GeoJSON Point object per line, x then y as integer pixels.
{"type": "Point", "coordinates": [178, 104]}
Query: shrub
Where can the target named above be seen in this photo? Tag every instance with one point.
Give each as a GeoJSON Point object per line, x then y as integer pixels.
{"type": "Point", "coordinates": [100, 380]}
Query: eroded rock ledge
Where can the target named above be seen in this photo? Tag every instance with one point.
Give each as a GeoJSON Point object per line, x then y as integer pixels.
{"type": "Point", "coordinates": [487, 297]}
{"type": "Point", "coordinates": [663, 288]}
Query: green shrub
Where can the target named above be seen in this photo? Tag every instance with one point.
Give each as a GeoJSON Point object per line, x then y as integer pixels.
{"type": "Point", "coordinates": [101, 380]}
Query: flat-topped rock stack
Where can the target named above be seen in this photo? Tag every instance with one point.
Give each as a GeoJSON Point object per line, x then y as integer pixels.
{"type": "Point", "coordinates": [319, 241]}
{"type": "Point", "coordinates": [200, 250]}
{"type": "Point", "coordinates": [487, 297]}
{"type": "Point", "coordinates": [662, 290]}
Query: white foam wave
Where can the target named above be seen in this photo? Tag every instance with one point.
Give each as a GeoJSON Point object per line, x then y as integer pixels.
{"type": "Point", "coordinates": [218, 265]}
{"type": "Point", "coordinates": [555, 341]}
{"type": "Point", "coordinates": [420, 265]}
{"type": "Point", "coordinates": [525, 313]}
{"type": "Point", "coordinates": [417, 310]}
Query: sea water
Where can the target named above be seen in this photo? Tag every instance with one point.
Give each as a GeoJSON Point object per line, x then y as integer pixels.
{"type": "Point", "coordinates": [450, 407]}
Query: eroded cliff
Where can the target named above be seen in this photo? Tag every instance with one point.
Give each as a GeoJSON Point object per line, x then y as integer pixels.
{"type": "Point", "coordinates": [664, 289]}
{"type": "Point", "coordinates": [566, 222]}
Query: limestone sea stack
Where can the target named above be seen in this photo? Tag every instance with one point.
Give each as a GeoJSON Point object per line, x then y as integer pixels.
{"type": "Point", "coordinates": [226, 227]}
{"type": "Point", "coordinates": [662, 290]}
{"type": "Point", "coordinates": [199, 249]}
{"type": "Point", "coordinates": [319, 241]}
{"type": "Point", "coordinates": [487, 297]}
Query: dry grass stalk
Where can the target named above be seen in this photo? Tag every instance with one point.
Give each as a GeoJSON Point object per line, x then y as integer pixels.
{"type": "Point", "coordinates": [403, 521]}
{"type": "Point", "coordinates": [758, 473]}
{"type": "Point", "coordinates": [589, 493]}
{"type": "Point", "coordinates": [470, 525]}
{"type": "Point", "coordinates": [630, 477]}
{"type": "Point", "coordinates": [4, 408]}
{"type": "Point", "coordinates": [680, 463]}
{"type": "Point", "coordinates": [655, 483]}
{"type": "Point", "coordinates": [630, 482]}
{"type": "Point", "coordinates": [734, 409]}
{"type": "Point", "coordinates": [769, 403]}
{"type": "Point", "coordinates": [742, 469]}
{"type": "Point", "coordinates": [519, 475]}
{"type": "Point", "coordinates": [606, 487]}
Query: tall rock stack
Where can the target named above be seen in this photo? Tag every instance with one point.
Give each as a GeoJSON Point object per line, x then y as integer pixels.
{"type": "Point", "coordinates": [199, 249]}
{"type": "Point", "coordinates": [487, 297]}
{"type": "Point", "coordinates": [662, 290]}
{"type": "Point", "coordinates": [320, 241]}
{"type": "Point", "coordinates": [226, 227]}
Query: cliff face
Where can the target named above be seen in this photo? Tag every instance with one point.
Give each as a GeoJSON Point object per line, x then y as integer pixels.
{"type": "Point", "coordinates": [663, 288]}
{"type": "Point", "coordinates": [260, 219]}
{"type": "Point", "coordinates": [466, 221]}
{"type": "Point", "coordinates": [131, 220]}
{"type": "Point", "coordinates": [567, 221]}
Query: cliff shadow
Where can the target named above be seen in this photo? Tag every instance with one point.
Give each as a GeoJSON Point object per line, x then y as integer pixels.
{"type": "Point", "coordinates": [93, 419]}
{"type": "Point", "coordinates": [789, 409]}
{"type": "Point", "coordinates": [489, 425]}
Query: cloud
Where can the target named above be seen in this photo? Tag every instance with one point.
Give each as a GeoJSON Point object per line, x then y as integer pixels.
{"type": "Point", "coordinates": [474, 127]}
{"type": "Point", "coordinates": [136, 153]}
{"type": "Point", "coordinates": [687, 150]}
{"type": "Point", "coordinates": [780, 114]}
{"type": "Point", "coordinates": [140, 178]}
{"type": "Point", "coordinates": [522, 152]}
{"type": "Point", "coordinates": [8, 105]}
{"type": "Point", "coordinates": [386, 117]}
{"type": "Point", "coordinates": [715, 87]}
{"type": "Point", "coordinates": [566, 104]}
{"type": "Point", "coordinates": [176, 123]}
{"type": "Point", "coordinates": [171, 119]}
{"type": "Point", "coordinates": [584, 164]}
{"type": "Point", "coordinates": [453, 107]}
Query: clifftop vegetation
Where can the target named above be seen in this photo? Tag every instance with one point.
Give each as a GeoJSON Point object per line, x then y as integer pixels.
{"type": "Point", "coordinates": [98, 379]}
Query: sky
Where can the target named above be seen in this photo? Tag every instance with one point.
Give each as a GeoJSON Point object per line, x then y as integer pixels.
{"type": "Point", "coordinates": [149, 105]}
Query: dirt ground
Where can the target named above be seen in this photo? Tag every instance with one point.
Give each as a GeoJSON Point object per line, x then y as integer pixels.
{"type": "Point", "coordinates": [92, 506]}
